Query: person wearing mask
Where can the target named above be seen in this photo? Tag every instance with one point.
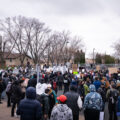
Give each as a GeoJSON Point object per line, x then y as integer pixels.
{"type": "Point", "coordinates": [74, 101]}
{"type": "Point", "coordinates": [29, 108]}
{"type": "Point", "coordinates": [112, 97]}
{"type": "Point", "coordinates": [61, 111]}
{"type": "Point", "coordinates": [92, 104]}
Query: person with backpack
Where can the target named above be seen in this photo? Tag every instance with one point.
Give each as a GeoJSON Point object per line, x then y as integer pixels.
{"type": "Point", "coordinates": [61, 111]}
{"type": "Point", "coordinates": [9, 92]}
{"type": "Point", "coordinates": [102, 91]}
{"type": "Point", "coordinates": [44, 100]}
{"type": "Point", "coordinates": [112, 97]}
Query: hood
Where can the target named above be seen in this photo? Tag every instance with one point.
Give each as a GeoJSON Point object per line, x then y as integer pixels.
{"type": "Point", "coordinates": [92, 88]}
{"type": "Point", "coordinates": [31, 93]}
{"type": "Point", "coordinates": [62, 107]}
{"type": "Point", "coordinates": [40, 88]}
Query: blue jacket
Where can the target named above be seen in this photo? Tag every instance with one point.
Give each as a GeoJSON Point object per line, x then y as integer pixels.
{"type": "Point", "coordinates": [97, 84]}
{"type": "Point", "coordinates": [93, 100]}
{"type": "Point", "coordinates": [118, 104]}
{"type": "Point", "coordinates": [29, 108]}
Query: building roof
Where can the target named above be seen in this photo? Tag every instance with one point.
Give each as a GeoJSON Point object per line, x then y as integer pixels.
{"type": "Point", "coordinates": [8, 55]}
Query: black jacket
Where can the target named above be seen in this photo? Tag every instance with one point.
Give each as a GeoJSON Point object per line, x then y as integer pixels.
{"type": "Point", "coordinates": [29, 108]}
{"type": "Point", "coordinates": [72, 98]}
{"type": "Point", "coordinates": [32, 82]}
{"type": "Point", "coordinates": [2, 86]}
{"type": "Point", "coordinates": [44, 100]}
{"type": "Point", "coordinates": [16, 92]}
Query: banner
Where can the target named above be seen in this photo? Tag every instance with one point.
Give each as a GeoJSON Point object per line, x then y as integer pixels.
{"type": "Point", "coordinates": [74, 67]}
{"type": "Point", "coordinates": [113, 70]}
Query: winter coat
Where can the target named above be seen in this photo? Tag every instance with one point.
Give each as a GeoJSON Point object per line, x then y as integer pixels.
{"type": "Point", "coordinates": [81, 91]}
{"type": "Point", "coordinates": [2, 87]}
{"type": "Point", "coordinates": [74, 102]}
{"type": "Point", "coordinates": [97, 84]}
{"type": "Point", "coordinates": [29, 108]}
{"type": "Point", "coordinates": [32, 82]}
{"type": "Point", "coordinates": [44, 100]}
{"type": "Point", "coordinates": [93, 100]}
{"type": "Point", "coordinates": [86, 88]}
{"type": "Point", "coordinates": [60, 79]}
{"type": "Point", "coordinates": [102, 92]}
{"type": "Point", "coordinates": [16, 92]}
{"type": "Point", "coordinates": [61, 112]}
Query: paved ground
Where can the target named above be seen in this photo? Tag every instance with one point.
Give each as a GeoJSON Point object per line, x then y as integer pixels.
{"type": "Point", "coordinates": [5, 112]}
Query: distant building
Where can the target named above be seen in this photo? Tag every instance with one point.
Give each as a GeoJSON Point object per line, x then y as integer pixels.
{"type": "Point", "coordinates": [88, 61]}
{"type": "Point", "coordinates": [13, 59]}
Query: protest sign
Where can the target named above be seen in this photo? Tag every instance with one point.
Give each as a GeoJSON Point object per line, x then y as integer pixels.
{"type": "Point", "coordinates": [113, 70]}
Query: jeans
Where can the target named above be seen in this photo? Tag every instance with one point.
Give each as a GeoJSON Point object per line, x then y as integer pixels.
{"type": "Point", "coordinates": [13, 108]}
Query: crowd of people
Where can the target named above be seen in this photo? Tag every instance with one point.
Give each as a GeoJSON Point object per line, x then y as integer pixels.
{"type": "Point", "coordinates": [37, 100]}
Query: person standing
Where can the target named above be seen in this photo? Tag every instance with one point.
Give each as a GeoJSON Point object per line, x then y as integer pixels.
{"type": "Point", "coordinates": [61, 111]}
{"type": "Point", "coordinates": [44, 100]}
{"type": "Point", "coordinates": [1, 89]}
{"type": "Point", "coordinates": [9, 92]}
{"type": "Point", "coordinates": [112, 97]}
{"type": "Point", "coordinates": [29, 108]}
{"type": "Point", "coordinates": [60, 80]}
{"type": "Point", "coordinates": [92, 104]}
{"type": "Point", "coordinates": [97, 83]}
{"type": "Point", "coordinates": [15, 96]}
{"type": "Point", "coordinates": [74, 101]}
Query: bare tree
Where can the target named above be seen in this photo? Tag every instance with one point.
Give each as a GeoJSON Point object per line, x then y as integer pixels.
{"type": "Point", "coordinates": [116, 47]}
{"type": "Point", "coordinates": [13, 29]}
{"type": "Point", "coordinates": [38, 37]}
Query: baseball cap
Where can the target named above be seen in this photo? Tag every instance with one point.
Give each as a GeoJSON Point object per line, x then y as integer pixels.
{"type": "Point", "coordinates": [62, 98]}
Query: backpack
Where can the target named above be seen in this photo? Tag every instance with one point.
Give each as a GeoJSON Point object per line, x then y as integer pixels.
{"type": "Point", "coordinates": [113, 97]}
{"type": "Point", "coordinates": [9, 88]}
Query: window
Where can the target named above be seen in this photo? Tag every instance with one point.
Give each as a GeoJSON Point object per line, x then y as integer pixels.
{"type": "Point", "coordinates": [10, 60]}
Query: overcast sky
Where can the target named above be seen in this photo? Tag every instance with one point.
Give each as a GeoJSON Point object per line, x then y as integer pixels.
{"type": "Point", "coordinates": [97, 22]}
